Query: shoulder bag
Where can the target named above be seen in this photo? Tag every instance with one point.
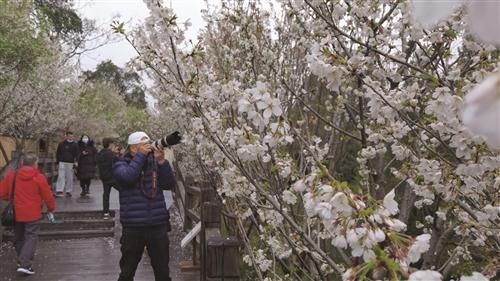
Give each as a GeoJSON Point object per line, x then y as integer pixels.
{"type": "Point", "coordinates": [8, 215]}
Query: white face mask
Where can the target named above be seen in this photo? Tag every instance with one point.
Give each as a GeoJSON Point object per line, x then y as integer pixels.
{"type": "Point", "coordinates": [85, 140]}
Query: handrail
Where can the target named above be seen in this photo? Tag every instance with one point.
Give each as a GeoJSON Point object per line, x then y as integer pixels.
{"type": "Point", "coordinates": [219, 256]}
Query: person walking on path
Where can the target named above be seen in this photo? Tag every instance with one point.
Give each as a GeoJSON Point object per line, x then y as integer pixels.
{"type": "Point", "coordinates": [31, 189]}
{"type": "Point", "coordinates": [86, 163]}
{"type": "Point", "coordinates": [66, 156]}
{"type": "Point", "coordinates": [105, 159]}
{"type": "Point", "coordinates": [140, 176]}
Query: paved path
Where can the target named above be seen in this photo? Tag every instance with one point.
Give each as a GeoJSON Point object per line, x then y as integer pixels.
{"type": "Point", "coordinates": [93, 259]}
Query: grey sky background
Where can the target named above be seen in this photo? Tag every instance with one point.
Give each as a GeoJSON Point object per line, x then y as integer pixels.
{"type": "Point", "coordinates": [132, 12]}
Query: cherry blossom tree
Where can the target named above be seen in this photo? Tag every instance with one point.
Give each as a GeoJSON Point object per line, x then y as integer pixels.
{"type": "Point", "coordinates": [332, 130]}
{"type": "Point", "coordinates": [38, 106]}
{"type": "Point", "coordinates": [40, 93]}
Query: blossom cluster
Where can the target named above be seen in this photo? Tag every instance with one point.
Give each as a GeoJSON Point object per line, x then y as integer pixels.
{"type": "Point", "coordinates": [274, 106]}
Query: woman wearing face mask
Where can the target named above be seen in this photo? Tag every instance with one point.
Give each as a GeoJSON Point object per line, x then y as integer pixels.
{"type": "Point", "coordinates": [86, 163]}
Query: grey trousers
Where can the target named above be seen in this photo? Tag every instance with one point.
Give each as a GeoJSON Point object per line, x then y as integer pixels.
{"type": "Point", "coordinates": [65, 177]}
{"type": "Point", "coordinates": [26, 237]}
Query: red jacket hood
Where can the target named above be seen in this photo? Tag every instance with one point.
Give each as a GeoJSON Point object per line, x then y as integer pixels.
{"type": "Point", "coordinates": [27, 173]}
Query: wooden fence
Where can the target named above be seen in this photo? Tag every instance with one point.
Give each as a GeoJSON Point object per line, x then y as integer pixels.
{"type": "Point", "coordinates": [217, 257]}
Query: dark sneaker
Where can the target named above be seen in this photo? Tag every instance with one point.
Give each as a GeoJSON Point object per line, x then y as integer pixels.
{"type": "Point", "coordinates": [59, 194]}
{"type": "Point", "coordinates": [27, 271]}
{"type": "Point", "coordinates": [68, 194]}
{"type": "Point", "coordinates": [106, 216]}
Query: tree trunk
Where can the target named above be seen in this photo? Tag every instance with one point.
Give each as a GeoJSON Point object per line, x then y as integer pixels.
{"type": "Point", "coordinates": [4, 153]}
{"type": "Point", "coordinates": [406, 205]}
{"type": "Point", "coordinates": [439, 239]}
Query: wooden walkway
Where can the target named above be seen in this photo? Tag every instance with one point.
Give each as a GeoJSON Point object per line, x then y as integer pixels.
{"type": "Point", "coordinates": [93, 259]}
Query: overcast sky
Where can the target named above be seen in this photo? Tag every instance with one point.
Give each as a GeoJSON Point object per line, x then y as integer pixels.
{"type": "Point", "coordinates": [133, 12]}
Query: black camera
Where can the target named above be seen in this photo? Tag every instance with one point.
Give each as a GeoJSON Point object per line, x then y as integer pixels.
{"type": "Point", "coordinates": [167, 141]}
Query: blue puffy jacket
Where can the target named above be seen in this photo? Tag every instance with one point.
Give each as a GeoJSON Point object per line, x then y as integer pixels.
{"type": "Point", "coordinates": [139, 204]}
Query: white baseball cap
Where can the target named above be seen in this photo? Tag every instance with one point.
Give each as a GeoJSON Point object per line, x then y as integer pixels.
{"type": "Point", "coordinates": [137, 137]}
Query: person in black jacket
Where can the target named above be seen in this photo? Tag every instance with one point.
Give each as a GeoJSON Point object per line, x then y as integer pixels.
{"type": "Point", "coordinates": [86, 163]}
{"type": "Point", "coordinates": [105, 159]}
{"type": "Point", "coordinates": [66, 155]}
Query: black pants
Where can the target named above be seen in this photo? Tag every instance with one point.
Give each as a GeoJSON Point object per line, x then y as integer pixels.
{"type": "Point", "coordinates": [85, 185]}
{"type": "Point", "coordinates": [133, 241]}
{"type": "Point", "coordinates": [105, 195]}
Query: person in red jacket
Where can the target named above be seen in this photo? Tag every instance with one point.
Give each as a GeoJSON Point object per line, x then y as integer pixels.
{"type": "Point", "coordinates": [32, 189]}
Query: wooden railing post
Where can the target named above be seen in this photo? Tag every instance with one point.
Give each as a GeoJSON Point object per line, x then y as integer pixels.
{"type": "Point", "coordinates": [206, 196]}
{"type": "Point", "coordinates": [220, 255]}
{"type": "Point", "coordinates": [210, 214]}
{"type": "Point", "coordinates": [223, 260]}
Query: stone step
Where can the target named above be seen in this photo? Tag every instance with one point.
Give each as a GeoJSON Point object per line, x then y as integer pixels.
{"type": "Point", "coordinates": [67, 234]}
{"type": "Point", "coordinates": [73, 225]}
{"type": "Point", "coordinates": [77, 224]}
{"type": "Point", "coordinates": [76, 215]}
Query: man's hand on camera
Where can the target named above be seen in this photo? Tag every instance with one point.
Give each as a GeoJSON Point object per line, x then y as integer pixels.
{"type": "Point", "coordinates": [174, 138]}
{"type": "Point", "coordinates": [159, 156]}
{"type": "Point", "coordinates": [145, 148]}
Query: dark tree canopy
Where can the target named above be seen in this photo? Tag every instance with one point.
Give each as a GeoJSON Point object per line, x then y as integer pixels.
{"type": "Point", "coordinates": [129, 83]}
{"type": "Point", "coordinates": [28, 27]}
{"type": "Point", "coordinates": [62, 17]}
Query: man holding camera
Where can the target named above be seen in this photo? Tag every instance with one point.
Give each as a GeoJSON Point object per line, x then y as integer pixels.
{"type": "Point", "coordinates": [140, 176]}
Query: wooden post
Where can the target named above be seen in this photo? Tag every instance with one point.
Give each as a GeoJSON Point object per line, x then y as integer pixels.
{"type": "Point", "coordinates": [218, 257]}
{"type": "Point", "coordinates": [211, 213]}
{"type": "Point", "coordinates": [221, 255]}
{"type": "Point", "coordinates": [188, 204]}
{"type": "Point", "coordinates": [223, 260]}
{"type": "Point", "coordinates": [206, 195]}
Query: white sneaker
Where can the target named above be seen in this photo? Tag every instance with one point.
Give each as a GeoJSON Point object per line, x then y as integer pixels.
{"type": "Point", "coordinates": [106, 216]}
{"type": "Point", "coordinates": [27, 271]}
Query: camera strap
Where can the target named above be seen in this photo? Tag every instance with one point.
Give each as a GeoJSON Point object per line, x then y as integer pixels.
{"type": "Point", "coordinates": [154, 183]}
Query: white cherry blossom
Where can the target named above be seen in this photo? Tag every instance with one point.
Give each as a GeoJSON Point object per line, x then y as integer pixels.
{"type": "Point", "coordinates": [425, 275]}
{"type": "Point", "coordinates": [271, 106]}
{"type": "Point", "coordinates": [390, 205]}
{"type": "Point", "coordinates": [482, 110]}
{"type": "Point", "coordinates": [476, 276]}
{"type": "Point", "coordinates": [289, 197]}
{"type": "Point", "coordinates": [483, 15]}
{"type": "Point", "coordinates": [420, 246]}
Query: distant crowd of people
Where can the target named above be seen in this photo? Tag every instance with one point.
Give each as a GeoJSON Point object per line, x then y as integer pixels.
{"type": "Point", "coordinates": [81, 158]}
{"type": "Point", "coordinates": [139, 173]}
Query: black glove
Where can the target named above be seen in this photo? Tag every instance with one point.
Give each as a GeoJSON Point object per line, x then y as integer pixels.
{"type": "Point", "coordinates": [173, 138]}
